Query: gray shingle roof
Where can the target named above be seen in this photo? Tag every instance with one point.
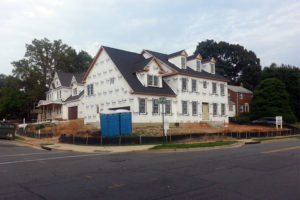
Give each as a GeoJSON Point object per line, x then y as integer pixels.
{"type": "Point", "coordinates": [188, 70]}
{"type": "Point", "coordinates": [72, 98]}
{"type": "Point", "coordinates": [239, 89]}
{"type": "Point", "coordinates": [65, 78]}
{"type": "Point", "coordinates": [128, 63]}
{"type": "Point", "coordinates": [175, 54]}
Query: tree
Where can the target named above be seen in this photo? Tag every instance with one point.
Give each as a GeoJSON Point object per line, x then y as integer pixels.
{"type": "Point", "coordinates": [290, 76]}
{"type": "Point", "coordinates": [271, 99]}
{"type": "Point", "coordinates": [36, 70]}
{"type": "Point", "coordinates": [233, 61]}
{"type": "Point", "coordinates": [13, 100]}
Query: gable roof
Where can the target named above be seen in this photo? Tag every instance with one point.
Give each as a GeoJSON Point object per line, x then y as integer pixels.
{"type": "Point", "coordinates": [128, 63]}
{"type": "Point", "coordinates": [239, 89]}
{"type": "Point", "coordinates": [194, 56]}
{"type": "Point", "coordinates": [79, 77]}
{"type": "Point", "coordinates": [178, 53]}
{"type": "Point", "coordinates": [188, 71]}
{"type": "Point", "coordinates": [65, 78]}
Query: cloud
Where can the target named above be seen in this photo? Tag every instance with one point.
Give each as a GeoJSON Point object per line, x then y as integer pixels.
{"type": "Point", "coordinates": [270, 28]}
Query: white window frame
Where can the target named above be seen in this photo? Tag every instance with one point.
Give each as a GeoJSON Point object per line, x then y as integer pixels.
{"type": "Point", "coordinates": [142, 111]}
{"type": "Point", "coordinates": [215, 109]}
{"type": "Point", "coordinates": [155, 106]}
{"type": "Point", "coordinates": [184, 80]}
{"type": "Point", "coordinates": [204, 84]}
{"type": "Point", "coordinates": [194, 89]}
{"type": "Point", "coordinates": [184, 107]}
{"type": "Point", "coordinates": [223, 110]}
{"type": "Point", "coordinates": [198, 65]}
{"type": "Point", "coordinates": [170, 110]}
{"type": "Point", "coordinates": [183, 62]}
{"type": "Point", "coordinates": [74, 91]}
{"type": "Point", "coordinates": [152, 80]}
{"type": "Point", "coordinates": [222, 89]}
{"type": "Point", "coordinates": [241, 96]}
{"type": "Point", "coordinates": [214, 88]}
{"type": "Point", "coordinates": [194, 108]}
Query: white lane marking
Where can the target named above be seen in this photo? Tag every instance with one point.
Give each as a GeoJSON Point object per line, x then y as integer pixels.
{"type": "Point", "coordinates": [54, 158]}
{"type": "Point", "coordinates": [28, 154]}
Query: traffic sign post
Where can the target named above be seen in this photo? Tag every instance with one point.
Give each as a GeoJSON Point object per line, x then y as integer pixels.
{"type": "Point", "coordinates": [163, 101]}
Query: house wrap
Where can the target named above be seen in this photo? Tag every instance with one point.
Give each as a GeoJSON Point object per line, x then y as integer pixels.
{"type": "Point", "coordinates": [119, 79]}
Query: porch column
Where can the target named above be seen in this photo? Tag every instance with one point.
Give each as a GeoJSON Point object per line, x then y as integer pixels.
{"type": "Point", "coordinates": [52, 115]}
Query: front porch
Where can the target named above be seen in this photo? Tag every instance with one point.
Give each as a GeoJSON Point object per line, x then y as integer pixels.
{"type": "Point", "coordinates": [49, 111]}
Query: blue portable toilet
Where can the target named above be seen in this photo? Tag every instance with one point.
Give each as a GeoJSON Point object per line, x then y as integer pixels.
{"type": "Point", "coordinates": [110, 123]}
{"type": "Point", "coordinates": [125, 121]}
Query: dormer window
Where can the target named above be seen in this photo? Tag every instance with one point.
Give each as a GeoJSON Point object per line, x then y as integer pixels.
{"type": "Point", "coordinates": [183, 62]}
{"type": "Point", "coordinates": [74, 91]}
{"type": "Point", "coordinates": [212, 68]}
{"type": "Point", "coordinates": [198, 65]}
{"type": "Point", "coordinates": [152, 80]}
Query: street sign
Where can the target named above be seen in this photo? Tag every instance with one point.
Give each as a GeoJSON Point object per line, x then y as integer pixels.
{"type": "Point", "coordinates": [162, 100]}
{"type": "Point", "coordinates": [278, 121]}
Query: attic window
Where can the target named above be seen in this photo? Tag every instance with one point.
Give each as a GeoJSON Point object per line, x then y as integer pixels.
{"type": "Point", "coordinates": [212, 68]}
{"type": "Point", "coordinates": [198, 65]}
{"type": "Point", "coordinates": [152, 80]}
{"type": "Point", "coordinates": [183, 62]}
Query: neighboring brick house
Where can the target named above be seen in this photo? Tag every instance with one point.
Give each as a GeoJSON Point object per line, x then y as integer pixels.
{"type": "Point", "coordinates": [241, 98]}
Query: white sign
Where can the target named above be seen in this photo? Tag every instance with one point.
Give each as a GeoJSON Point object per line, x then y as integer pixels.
{"type": "Point", "coordinates": [278, 121]}
{"type": "Point", "coordinates": [166, 127]}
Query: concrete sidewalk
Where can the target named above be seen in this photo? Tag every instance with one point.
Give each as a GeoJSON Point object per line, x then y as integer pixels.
{"type": "Point", "coordinates": [93, 149]}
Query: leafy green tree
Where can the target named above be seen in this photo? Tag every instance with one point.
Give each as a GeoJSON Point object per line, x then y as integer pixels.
{"type": "Point", "coordinates": [271, 99]}
{"type": "Point", "coordinates": [46, 57]}
{"type": "Point", "coordinates": [13, 100]}
{"type": "Point", "coordinates": [290, 76]}
{"type": "Point", "coordinates": [233, 62]}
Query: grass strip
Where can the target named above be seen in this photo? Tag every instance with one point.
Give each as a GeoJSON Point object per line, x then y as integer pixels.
{"type": "Point", "coordinates": [276, 138]}
{"type": "Point", "coordinates": [19, 138]}
{"type": "Point", "coordinates": [46, 144]}
{"type": "Point", "coordinates": [193, 145]}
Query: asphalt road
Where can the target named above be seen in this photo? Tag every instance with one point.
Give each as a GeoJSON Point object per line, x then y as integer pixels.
{"type": "Point", "coordinates": [257, 171]}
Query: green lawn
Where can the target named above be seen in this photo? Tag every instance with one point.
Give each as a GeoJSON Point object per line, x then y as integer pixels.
{"type": "Point", "coordinates": [275, 138]}
{"type": "Point", "coordinates": [19, 138]}
{"type": "Point", "coordinates": [194, 145]}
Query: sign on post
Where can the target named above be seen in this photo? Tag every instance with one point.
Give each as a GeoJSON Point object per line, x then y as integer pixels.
{"type": "Point", "coordinates": [278, 121]}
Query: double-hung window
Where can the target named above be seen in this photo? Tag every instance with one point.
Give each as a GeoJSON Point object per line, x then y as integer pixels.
{"type": "Point", "coordinates": [142, 106]}
{"type": "Point", "coordinates": [168, 107]}
{"type": "Point", "coordinates": [222, 88]}
{"type": "Point", "coordinates": [194, 108]}
{"type": "Point", "coordinates": [183, 62]}
{"type": "Point", "coordinates": [204, 84]}
{"type": "Point", "coordinates": [214, 88]}
{"type": "Point", "coordinates": [194, 85]}
{"type": "Point", "coordinates": [184, 84]}
{"type": "Point", "coordinates": [222, 109]}
{"type": "Point", "coordinates": [90, 89]}
{"type": "Point", "coordinates": [74, 91]}
{"type": "Point", "coordinates": [152, 80]}
{"type": "Point", "coordinates": [155, 106]}
{"type": "Point", "coordinates": [241, 96]}
{"type": "Point", "coordinates": [184, 108]}
{"type": "Point", "coordinates": [215, 109]}
{"type": "Point", "coordinates": [198, 65]}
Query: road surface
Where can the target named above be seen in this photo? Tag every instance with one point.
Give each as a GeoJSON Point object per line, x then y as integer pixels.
{"type": "Point", "coordinates": [257, 171]}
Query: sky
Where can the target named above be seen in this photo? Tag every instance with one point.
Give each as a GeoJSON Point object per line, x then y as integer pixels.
{"type": "Point", "coordinates": [269, 28]}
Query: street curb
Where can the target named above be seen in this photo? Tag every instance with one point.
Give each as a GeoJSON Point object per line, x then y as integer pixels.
{"type": "Point", "coordinates": [46, 148]}
{"type": "Point", "coordinates": [253, 142]}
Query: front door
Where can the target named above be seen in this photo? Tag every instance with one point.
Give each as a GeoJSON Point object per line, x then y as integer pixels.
{"type": "Point", "coordinates": [205, 111]}
{"type": "Point", "coordinates": [72, 112]}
